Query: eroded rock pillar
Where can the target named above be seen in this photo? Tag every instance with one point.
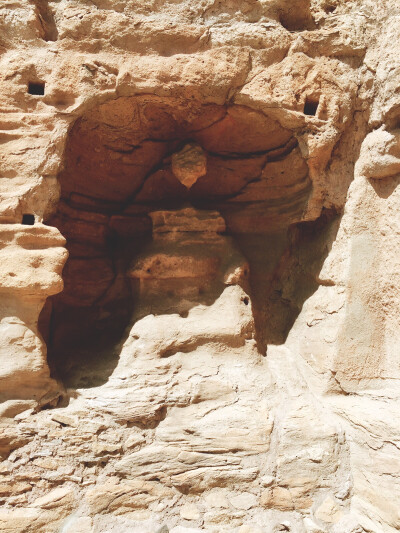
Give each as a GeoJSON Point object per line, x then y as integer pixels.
{"type": "Point", "coordinates": [31, 262]}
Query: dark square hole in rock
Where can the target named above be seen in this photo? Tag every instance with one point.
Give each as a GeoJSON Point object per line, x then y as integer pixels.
{"type": "Point", "coordinates": [36, 88]}
{"type": "Point", "coordinates": [28, 220]}
{"type": "Point", "coordinates": [311, 106]}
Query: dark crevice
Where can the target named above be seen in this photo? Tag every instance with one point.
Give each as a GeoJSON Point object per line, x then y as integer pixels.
{"type": "Point", "coordinates": [296, 19]}
{"type": "Point", "coordinates": [92, 204]}
{"type": "Point", "coordinates": [158, 416]}
{"type": "Point", "coordinates": [275, 153]}
{"type": "Point", "coordinates": [284, 273]}
{"type": "Point", "coordinates": [279, 153]}
{"type": "Point", "coordinates": [46, 20]}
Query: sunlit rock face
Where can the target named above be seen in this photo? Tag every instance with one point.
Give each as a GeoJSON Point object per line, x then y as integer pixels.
{"type": "Point", "coordinates": [199, 234]}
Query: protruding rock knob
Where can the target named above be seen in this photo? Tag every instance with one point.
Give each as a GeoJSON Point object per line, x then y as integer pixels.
{"type": "Point", "coordinates": [189, 164]}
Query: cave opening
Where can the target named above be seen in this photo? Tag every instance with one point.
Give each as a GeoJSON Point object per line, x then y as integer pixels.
{"type": "Point", "coordinates": [311, 106]}
{"type": "Point", "coordinates": [28, 219]}
{"type": "Point", "coordinates": [132, 158]}
{"type": "Point", "coordinates": [36, 88]}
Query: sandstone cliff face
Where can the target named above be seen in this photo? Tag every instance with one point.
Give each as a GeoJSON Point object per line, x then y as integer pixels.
{"type": "Point", "coordinates": [199, 267]}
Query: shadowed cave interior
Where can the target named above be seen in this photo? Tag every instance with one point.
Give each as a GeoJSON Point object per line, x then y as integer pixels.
{"type": "Point", "coordinates": [131, 157]}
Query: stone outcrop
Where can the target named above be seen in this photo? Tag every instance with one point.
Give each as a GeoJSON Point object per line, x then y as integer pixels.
{"type": "Point", "coordinates": [199, 268]}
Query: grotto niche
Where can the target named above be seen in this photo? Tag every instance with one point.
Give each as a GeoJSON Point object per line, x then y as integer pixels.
{"type": "Point", "coordinates": [164, 205]}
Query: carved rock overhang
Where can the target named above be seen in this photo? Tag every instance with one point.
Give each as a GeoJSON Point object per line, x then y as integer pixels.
{"type": "Point", "coordinates": [120, 166]}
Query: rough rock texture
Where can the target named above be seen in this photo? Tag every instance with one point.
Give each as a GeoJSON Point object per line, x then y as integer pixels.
{"type": "Point", "coordinates": [199, 267]}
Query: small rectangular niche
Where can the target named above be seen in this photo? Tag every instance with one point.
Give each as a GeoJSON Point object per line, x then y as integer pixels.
{"type": "Point", "coordinates": [28, 219]}
{"type": "Point", "coordinates": [311, 106]}
{"type": "Point", "coordinates": [36, 88]}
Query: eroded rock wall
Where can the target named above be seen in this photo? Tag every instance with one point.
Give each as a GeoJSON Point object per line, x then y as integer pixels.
{"type": "Point", "coordinates": [199, 266]}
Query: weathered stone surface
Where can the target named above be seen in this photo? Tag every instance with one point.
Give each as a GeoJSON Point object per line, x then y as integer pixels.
{"type": "Point", "coordinates": [189, 164]}
{"type": "Point", "coordinates": [199, 267]}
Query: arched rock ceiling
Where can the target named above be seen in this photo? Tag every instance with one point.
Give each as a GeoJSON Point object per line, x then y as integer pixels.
{"type": "Point", "coordinates": [118, 161]}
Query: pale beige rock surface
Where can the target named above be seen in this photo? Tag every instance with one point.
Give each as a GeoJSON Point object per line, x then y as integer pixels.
{"type": "Point", "coordinates": [199, 266]}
